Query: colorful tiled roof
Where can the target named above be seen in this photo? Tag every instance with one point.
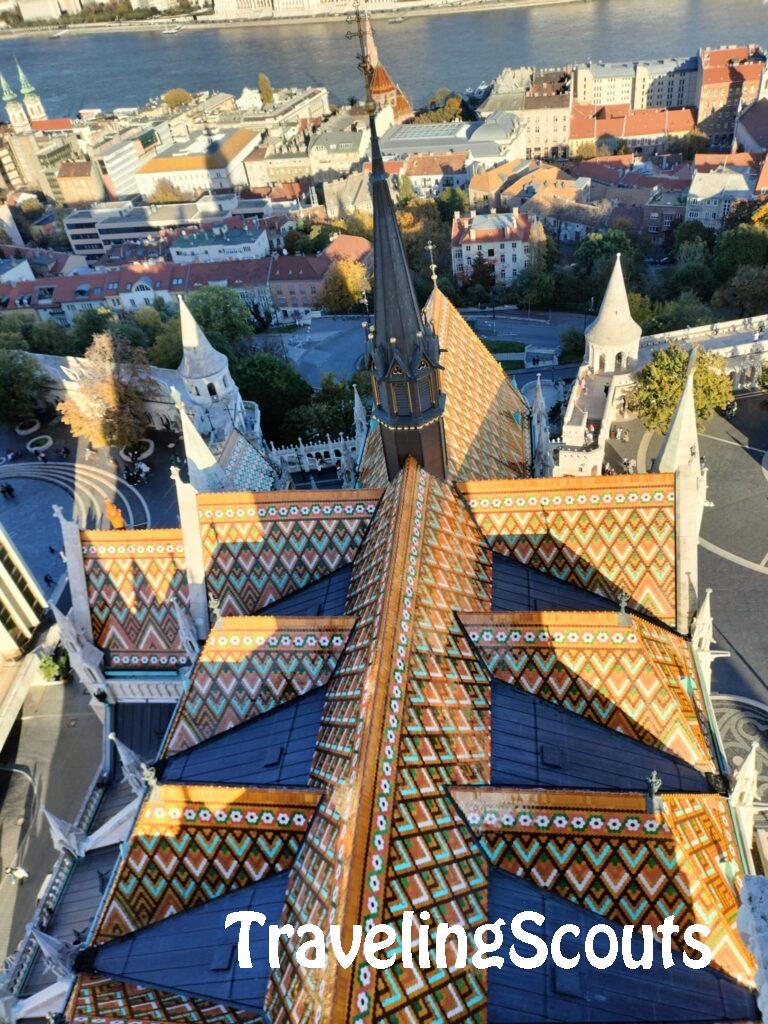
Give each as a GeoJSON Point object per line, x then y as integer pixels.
{"type": "Point", "coordinates": [248, 666]}
{"type": "Point", "coordinates": [612, 536]}
{"type": "Point", "coordinates": [192, 844]}
{"type": "Point", "coordinates": [610, 853]}
{"type": "Point", "coordinates": [485, 419]}
{"type": "Point", "coordinates": [245, 467]}
{"type": "Point", "coordinates": [623, 672]}
{"type": "Point", "coordinates": [261, 548]}
{"type": "Point", "coordinates": [98, 1000]}
{"type": "Point", "coordinates": [131, 577]}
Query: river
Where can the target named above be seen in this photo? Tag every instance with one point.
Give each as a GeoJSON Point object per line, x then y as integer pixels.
{"type": "Point", "coordinates": [422, 53]}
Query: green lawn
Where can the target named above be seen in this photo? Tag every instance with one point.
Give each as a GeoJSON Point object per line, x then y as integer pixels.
{"type": "Point", "coordinates": [504, 346]}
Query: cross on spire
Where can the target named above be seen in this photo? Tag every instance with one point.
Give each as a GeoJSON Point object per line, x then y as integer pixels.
{"type": "Point", "coordinates": [430, 247]}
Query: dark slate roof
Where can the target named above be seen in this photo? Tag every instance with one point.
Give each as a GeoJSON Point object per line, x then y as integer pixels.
{"type": "Point", "coordinates": [141, 726]}
{"type": "Point", "coordinates": [535, 743]}
{"type": "Point", "coordinates": [617, 995]}
{"type": "Point", "coordinates": [191, 954]}
{"type": "Point", "coordinates": [85, 886]}
{"type": "Point", "coordinates": [274, 749]}
{"type": "Point", "coordinates": [517, 588]}
{"type": "Point", "coordinates": [326, 596]}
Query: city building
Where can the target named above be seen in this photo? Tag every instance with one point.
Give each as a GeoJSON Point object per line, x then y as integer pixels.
{"type": "Point", "coordinates": [337, 148]}
{"type": "Point", "coordinates": [432, 173]}
{"type": "Point", "coordinates": [510, 184]}
{"type": "Point", "coordinates": [671, 82]}
{"type": "Point", "coordinates": [503, 240]}
{"type": "Point", "coordinates": [295, 284]}
{"type": "Point", "coordinates": [22, 604]}
{"type": "Point", "coordinates": [131, 287]}
{"type": "Point", "coordinates": [490, 141]}
{"type": "Point", "coordinates": [350, 247]}
{"type": "Point", "coordinates": [645, 131]}
{"type": "Point", "coordinates": [432, 738]}
{"type": "Point", "coordinates": [730, 78]}
{"type": "Point", "coordinates": [206, 162]}
{"type": "Point", "coordinates": [94, 231]}
{"type": "Point", "coordinates": [663, 211]}
{"type": "Point", "coordinates": [267, 166]}
{"type": "Point", "coordinates": [712, 194]}
{"type": "Point", "coordinates": [220, 244]}
{"type": "Point", "coordinates": [80, 182]}
{"type": "Point", "coordinates": [752, 127]}
{"type": "Point", "coordinates": [547, 122]}
{"type": "Point", "coordinates": [384, 92]}
{"type": "Point", "coordinates": [119, 158]}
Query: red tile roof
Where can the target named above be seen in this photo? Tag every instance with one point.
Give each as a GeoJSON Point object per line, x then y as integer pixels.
{"type": "Point", "coordinates": [419, 164]}
{"type": "Point", "coordinates": [161, 276]}
{"type": "Point", "coordinates": [349, 247]}
{"type": "Point", "coordinates": [52, 124]}
{"type": "Point", "coordinates": [464, 230]}
{"type": "Point", "coordinates": [619, 122]}
{"type": "Point", "coordinates": [299, 268]}
{"type": "Point", "coordinates": [709, 161]}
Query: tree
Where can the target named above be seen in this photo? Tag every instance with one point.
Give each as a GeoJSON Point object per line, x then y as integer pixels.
{"type": "Point", "coordinates": [86, 325]}
{"type": "Point", "coordinates": [659, 386]}
{"type": "Point", "coordinates": [265, 90]}
{"type": "Point", "coordinates": [745, 244]}
{"type": "Point", "coordinates": [692, 143]}
{"type": "Point", "coordinates": [405, 191]}
{"type": "Point", "coordinates": [641, 308]}
{"type": "Point", "coordinates": [533, 287]}
{"type": "Point", "coordinates": [22, 385]}
{"type": "Point", "coordinates": [165, 350]}
{"type": "Point", "coordinates": [746, 293]}
{"type": "Point", "coordinates": [175, 98]}
{"type": "Point", "coordinates": [276, 387]}
{"type": "Point", "coordinates": [586, 150]}
{"type": "Point", "coordinates": [167, 192]}
{"type": "Point", "coordinates": [572, 345]}
{"type": "Point", "coordinates": [151, 321]}
{"type": "Point", "coordinates": [695, 250]}
{"type": "Point", "coordinates": [687, 310]}
{"type": "Point", "coordinates": [223, 316]}
{"type": "Point", "coordinates": [688, 231]}
{"type": "Point", "coordinates": [596, 255]}
{"type": "Point", "coordinates": [452, 200]}
{"type": "Point", "coordinates": [108, 408]}
{"type": "Point", "coordinates": [345, 284]}
{"type": "Point", "coordinates": [482, 274]}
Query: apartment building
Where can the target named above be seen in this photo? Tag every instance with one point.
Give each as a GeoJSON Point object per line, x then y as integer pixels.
{"type": "Point", "coordinates": [295, 284]}
{"type": "Point", "coordinates": [80, 182]}
{"type": "Point", "coordinates": [206, 162]}
{"type": "Point", "coordinates": [118, 158]}
{"type": "Point", "coordinates": [503, 239]}
{"type": "Point", "coordinates": [671, 82]}
{"type": "Point", "coordinates": [501, 136]}
{"type": "Point", "coordinates": [644, 130]}
{"type": "Point", "coordinates": [730, 79]}
{"type": "Point", "coordinates": [712, 194]}
{"type": "Point", "coordinates": [220, 244]}
{"type": "Point", "coordinates": [432, 173]}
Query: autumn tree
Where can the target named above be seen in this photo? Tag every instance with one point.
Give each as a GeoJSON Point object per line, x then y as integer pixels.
{"type": "Point", "coordinates": [659, 386]}
{"type": "Point", "coordinates": [266, 91]}
{"type": "Point", "coordinates": [23, 383]}
{"type": "Point", "coordinates": [108, 408]}
{"type": "Point", "coordinates": [175, 98]}
{"type": "Point", "coordinates": [345, 285]}
{"type": "Point", "coordinates": [167, 192]}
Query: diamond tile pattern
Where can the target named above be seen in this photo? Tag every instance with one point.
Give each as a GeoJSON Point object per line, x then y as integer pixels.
{"type": "Point", "coordinates": [131, 577]}
{"type": "Point", "coordinates": [99, 1000]}
{"type": "Point", "coordinates": [602, 534]}
{"type": "Point", "coordinates": [259, 549]}
{"type": "Point", "coordinates": [251, 664]}
{"type": "Point", "coordinates": [623, 672]}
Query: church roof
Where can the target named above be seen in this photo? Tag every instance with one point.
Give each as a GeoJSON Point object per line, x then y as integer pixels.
{"type": "Point", "coordinates": [244, 465]}
{"type": "Point", "coordinates": [485, 419]}
{"type": "Point", "coordinates": [339, 770]}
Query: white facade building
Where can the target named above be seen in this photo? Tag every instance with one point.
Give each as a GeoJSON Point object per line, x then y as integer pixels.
{"type": "Point", "coordinates": [203, 163]}
{"type": "Point", "coordinates": [712, 194]}
{"type": "Point", "coordinates": [219, 245]}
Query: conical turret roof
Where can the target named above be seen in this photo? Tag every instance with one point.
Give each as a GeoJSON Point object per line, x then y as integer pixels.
{"type": "Point", "coordinates": [613, 326]}
{"type": "Point", "coordinates": [200, 358]}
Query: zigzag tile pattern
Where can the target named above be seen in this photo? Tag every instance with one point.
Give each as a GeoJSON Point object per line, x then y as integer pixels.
{"type": "Point", "coordinates": [620, 671]}
{"type": "Point", "coordinates": [486, 419]}
{"type": "Point", "coordinates": [194, 843]}
{"type": "Point", "coordinates": [244, 465]}
{"type": "Point", "coordinates": [258, 548]}
{"type": "Point", "coordinates": [430, 695]}
{"type": "Point", "coordinates": [97, 1000]}
{"type": "Point", "coordinates": [609, 853]}
{"type": "Point", "coordinates": [602, 534]}
{"type": "Point", "coordinates": [249, 665]}
{"type": "Point", "coordinates": [131, 577]}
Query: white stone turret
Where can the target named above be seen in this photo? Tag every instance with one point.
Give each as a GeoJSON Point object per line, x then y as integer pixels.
{"type": "Point", "coordinates": [205, 474]}
{"type": "Point", "coordinates": [744, 794]}
{"type": "Point", "coordinates": [613, 337]}
{"type": "Point", "coordinates": [361, 422]}
{"type": "Point", "coordinates": [680, 455]}
{"type": "Point", "coordinates": [206, 376]}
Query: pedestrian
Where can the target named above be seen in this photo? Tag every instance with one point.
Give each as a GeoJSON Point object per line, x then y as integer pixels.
{"type": "Point", "coordinates": [10, 490]}
{"type": "Point", "coordinates": [4, 491]}
{"type": "Point", "coordinates": [48, 580]}
{"type": "Point", "coordinates": [52, 549]}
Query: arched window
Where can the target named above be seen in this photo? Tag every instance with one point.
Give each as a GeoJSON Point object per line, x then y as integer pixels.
{"type": "Point", "coordinates": [212, 389]}
{"type": "Point", "coordinates": [618, 360]}
{"type": "Point", "coordinates": [601, 367]}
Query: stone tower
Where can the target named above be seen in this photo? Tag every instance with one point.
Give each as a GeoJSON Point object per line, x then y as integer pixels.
{"type": "Point", "coordinates": [17, 114]}
{"type": "Point", "coordinates": [613, 337]}
{"type": "Point", "coordinates": [218, 406]}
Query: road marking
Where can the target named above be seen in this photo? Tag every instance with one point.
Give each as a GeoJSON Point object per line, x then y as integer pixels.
{"type": "Point", "coordinates": [765, 559]}
{"type": "Point", "coordinates": [729, 556]}
{"type": "Point", "coordinates": [725, 440]}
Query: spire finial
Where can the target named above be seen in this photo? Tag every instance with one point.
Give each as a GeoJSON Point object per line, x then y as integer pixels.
{"type": "Point", "coordinates": [430, 247]}
{"type": "Point", "coordinates": [8, 94]}
{"type": "Point", "coordinates": [367, 57]}
{"type": "Point", "coordinates": [24, 82]}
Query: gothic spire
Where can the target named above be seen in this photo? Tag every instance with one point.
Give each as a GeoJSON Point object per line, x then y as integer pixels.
{"type": "Point", "coordinates": [8, 94]}
{"type": "Point", "coordinates": [680, 446]}
{"type": "Point", "coordinates": [403, 351]}
{"type": "Point", "coordinates": [200, 359]}
{"type": "Point", "coordinates": [24, 82]}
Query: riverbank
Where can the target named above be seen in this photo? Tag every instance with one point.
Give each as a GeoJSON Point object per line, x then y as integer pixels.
{"type": "Point", "coordinates": [404, 10]}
